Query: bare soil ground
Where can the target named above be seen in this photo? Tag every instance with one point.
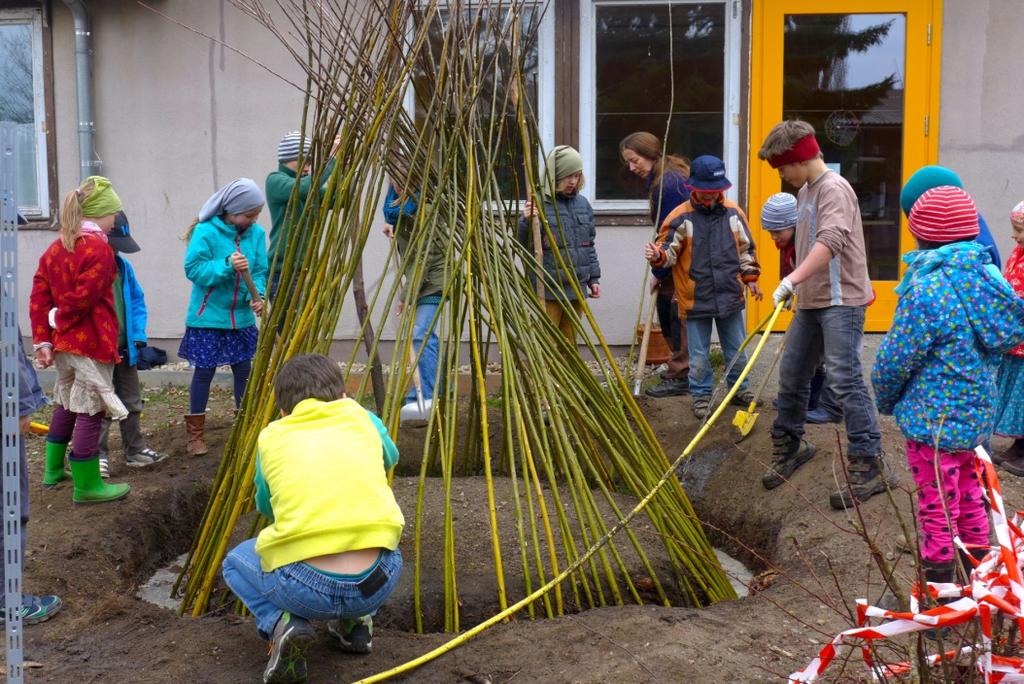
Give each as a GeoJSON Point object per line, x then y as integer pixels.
{"type": "Point", "coordinates": [810, 561]}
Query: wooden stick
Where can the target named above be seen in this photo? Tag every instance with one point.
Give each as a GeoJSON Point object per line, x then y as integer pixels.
{"type": "Point", "coordinates": [254, 294]}
{"type": "Point", "coordinates": [642, 360]}
{"type": "Point", "coordinates": [538, 246]}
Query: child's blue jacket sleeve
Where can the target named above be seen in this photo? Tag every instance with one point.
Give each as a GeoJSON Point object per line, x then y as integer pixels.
{"type": "Point", "coordinates": [136, 300]}
{"type": "Point", "coordinates": [259, 264]}
{"type": "Point", "coordinates": [392, 212]}
{"type": "Point", "coordinates": [902, 352]}
{"type": "Point", "coordinates": [202, 266]}
{"type": "Point", "coordinates": [390, 450]}
{"type": "Point", "coordinates": [262, 496]}
{"type": "Point", "coordinates": [262, 267]}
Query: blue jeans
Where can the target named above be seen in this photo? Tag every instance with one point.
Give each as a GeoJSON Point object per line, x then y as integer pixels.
{"type": "Point", "coordinates": [302, 590]}
{"type": "Point", "coordinates": [698, 340]}
{"type": "Point", "coordinates": [837, 334]}
{"type": "Point", "coordinates": [428, 359]}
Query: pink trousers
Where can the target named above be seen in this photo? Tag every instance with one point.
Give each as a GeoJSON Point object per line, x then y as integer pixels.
{"type": "Point", "coordinates": [959, 488]}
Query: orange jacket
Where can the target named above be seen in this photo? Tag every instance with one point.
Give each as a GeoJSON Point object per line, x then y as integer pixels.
{"type": "Point", "coordinates": [711, 254]}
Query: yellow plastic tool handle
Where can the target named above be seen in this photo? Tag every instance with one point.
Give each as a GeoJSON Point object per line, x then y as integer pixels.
{"type": "Point", "coordinates": [38, 428]}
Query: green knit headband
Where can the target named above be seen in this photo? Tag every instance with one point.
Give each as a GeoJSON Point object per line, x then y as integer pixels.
{"type": "Point", "coordinates": [103, 201]}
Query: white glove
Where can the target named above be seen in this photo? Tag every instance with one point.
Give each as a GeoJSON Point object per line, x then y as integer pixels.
{"type": "Point", "coordinates": [52, 318]}
{"type": "Point", "coordinates": [784, 292]}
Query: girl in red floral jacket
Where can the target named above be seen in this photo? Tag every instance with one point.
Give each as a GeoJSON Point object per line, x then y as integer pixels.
{"type": "Point", "coordinates": [1009, 418]}
{"type": "Point", "coordinates": [74, 327]}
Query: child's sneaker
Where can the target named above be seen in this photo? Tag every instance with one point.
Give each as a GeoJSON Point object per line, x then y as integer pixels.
{"type": "Point", "coordinates": [867, 475]}
{"type": "Point", "coordinates": [36, 609]}
{"type": "Point", "coordinates": [292, 637]}
{"type": "Point", "coordinates": [822, 416]}
{"type": "Point", "coordinates": [701, 406]}
{"type": "Point", "coordinates": [354, 636]}
{"type": "Point", "coordinates": [742, 398]}
{"type": "Point", "coordinates": [104, 467]}
{"type": "Point", "coordinates": [142, 458]}
{"type": "Point", "coordinates": [789, 452]}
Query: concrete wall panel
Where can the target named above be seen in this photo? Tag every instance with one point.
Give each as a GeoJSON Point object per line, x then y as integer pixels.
{"type": "Point", "coordinates": [981, 129]}
{"type": "Point", "coordinates": [178, 115]}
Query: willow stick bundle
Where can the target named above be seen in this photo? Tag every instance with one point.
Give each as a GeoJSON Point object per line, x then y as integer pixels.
{"type": "Point", "coordinates": [572, 441]}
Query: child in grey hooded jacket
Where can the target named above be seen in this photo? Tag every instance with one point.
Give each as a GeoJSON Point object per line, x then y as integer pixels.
{"type": "Point", "coordinates": [569, 220]}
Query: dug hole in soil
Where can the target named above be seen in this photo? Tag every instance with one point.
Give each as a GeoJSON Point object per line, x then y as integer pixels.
{"type": "Point", "coordinates": [96, 557]}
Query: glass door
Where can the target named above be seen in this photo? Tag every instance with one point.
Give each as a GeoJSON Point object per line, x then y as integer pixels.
{"type": "Point", "coordinates": [864, 81]}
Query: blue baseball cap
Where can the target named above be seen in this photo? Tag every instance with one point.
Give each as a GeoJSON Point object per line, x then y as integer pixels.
{"type": "Point", "coordinates": [120, 238]}
{"type": "Point", "coordinates": [707, 172]}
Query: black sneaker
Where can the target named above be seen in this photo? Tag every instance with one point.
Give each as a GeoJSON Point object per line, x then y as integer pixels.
{"type": "Point", "coordinates": [354, 636]}
{"type": "Point", "coordinates": [36, 609]}
{"type": "Point", "coordinates": [865, 480]}
{"type": "Point", "coordinates": [292, 638]}
{"type": "Point", "coordinates": [789, 453]}
{"type": "Point", "coordinates": [669, 387]}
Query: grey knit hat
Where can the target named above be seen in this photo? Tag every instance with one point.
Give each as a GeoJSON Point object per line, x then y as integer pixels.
{"type": "Point", "coordinates": [779, 212]}
{"type": "Point", "coordinates": [288, 148]}
{"type": "Point", "coordinates": [561, 162]}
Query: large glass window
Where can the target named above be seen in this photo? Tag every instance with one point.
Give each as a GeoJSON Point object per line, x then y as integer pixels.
{"type": "Point", "coordinates": [22, 102]}
{"type": "Point", "coordinates": [492, 46]}
{"type": "Point", "coordinates": [647, 66]}
{"type": "Point", "coordinates": [843, 73]}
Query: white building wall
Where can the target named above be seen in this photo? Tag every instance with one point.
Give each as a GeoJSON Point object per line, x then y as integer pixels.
{"type": "Point", "coordinates": [981, 128]}
{"type": "Point", "coordinates": [177, 116]}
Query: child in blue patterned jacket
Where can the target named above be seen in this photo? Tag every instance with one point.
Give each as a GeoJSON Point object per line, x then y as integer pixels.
{"type": "Point", "coordinates": [936, 369]}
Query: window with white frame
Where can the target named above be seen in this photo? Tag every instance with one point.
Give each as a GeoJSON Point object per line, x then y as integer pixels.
{"type": "Point", "coordinates": [538, 74]}
{"type": "Point", "coordinates": [23, 103]}
{"type": "Point", "coordinates": [651, 66]}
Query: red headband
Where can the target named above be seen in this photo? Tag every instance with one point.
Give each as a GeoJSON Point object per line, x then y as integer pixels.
{"type": "Point", "coordinates": [805, 148]}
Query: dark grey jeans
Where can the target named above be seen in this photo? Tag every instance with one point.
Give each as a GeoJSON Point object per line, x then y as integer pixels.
{"type": "Point", "coordinates": [126, 386]}
{"type": "Point", "coordinates": [836, 334]}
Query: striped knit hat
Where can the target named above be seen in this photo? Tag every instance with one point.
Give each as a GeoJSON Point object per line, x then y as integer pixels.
{"type": "Point", "coordinates": [779, 212]}
{"type": "Point", "coordinates": [944, 214]}
{"type": "Point", "coordinates": [288, 148]}
{"type": "Point", "coordinates": [1017, 213]}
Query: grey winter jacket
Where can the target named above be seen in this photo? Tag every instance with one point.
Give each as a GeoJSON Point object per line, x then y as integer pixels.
{"type": "Point", "coordinates": [572, 223]}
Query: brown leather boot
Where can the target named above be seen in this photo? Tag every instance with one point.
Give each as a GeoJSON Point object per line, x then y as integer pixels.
{"type": "Point", "coordinates": [194, 424]}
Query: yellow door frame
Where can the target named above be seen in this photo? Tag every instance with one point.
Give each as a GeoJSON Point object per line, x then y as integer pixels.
{"type": "Point", "coordinates": [920, 120]}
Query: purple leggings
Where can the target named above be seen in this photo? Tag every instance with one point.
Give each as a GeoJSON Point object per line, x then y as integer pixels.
{"type": "Point", "coordinates": [81, 429]}
{"type": "Point", "coordinates": [959, 484]}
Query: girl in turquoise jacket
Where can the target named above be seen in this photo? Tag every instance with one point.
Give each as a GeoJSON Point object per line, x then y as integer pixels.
{"type": "Point", "coordinates": [220, 328]}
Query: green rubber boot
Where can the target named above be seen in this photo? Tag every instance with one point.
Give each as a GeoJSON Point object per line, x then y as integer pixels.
{"type": "Point", "coordinates": [89, 487]}
{"type": "Point", "coordinates": [54, 473]}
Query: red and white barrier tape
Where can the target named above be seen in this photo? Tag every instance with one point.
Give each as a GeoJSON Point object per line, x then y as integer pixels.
{"type": "Point", "coordinates": [995, 585]}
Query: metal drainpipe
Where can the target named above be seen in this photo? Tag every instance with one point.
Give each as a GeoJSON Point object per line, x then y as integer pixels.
{"type": "Point", "coordinates": [90, 162]}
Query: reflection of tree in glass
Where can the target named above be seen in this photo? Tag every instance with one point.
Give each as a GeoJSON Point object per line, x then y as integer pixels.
{"type": "Point", "coordinates": [16, 103]}
{"type": "Point", "coordinates": [487, 43]}
{"type": "Point", "coordinates": [817, 47]}
{"type": "Point", "coordinates": [635, 67]}
{"type": "Point", "coordinates": [635, 64]}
